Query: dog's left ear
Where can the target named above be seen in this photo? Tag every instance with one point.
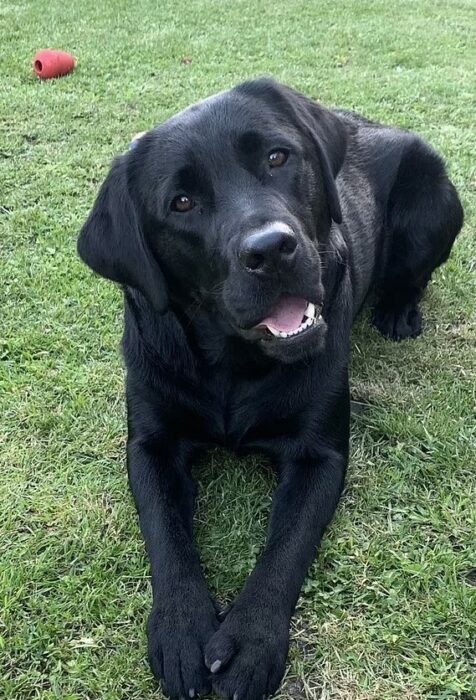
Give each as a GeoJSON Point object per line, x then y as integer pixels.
{"type": "Point", "coordinates": [330, 139]}
{"type": "Point", "coordinates": [327, 132]}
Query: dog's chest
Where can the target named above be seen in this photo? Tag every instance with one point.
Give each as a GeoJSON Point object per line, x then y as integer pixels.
{"type": "Point", "coordinates": [231, 408]}
{"type": "Point", "coordinates": [247, 413]}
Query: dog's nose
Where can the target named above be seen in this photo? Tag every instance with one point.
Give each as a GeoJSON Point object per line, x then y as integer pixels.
{"type": "Point", "coordinates": [272, 247]}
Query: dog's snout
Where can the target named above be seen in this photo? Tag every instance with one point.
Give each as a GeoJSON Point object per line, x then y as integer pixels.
{"type": "Point", "coordinates": [271, 247]}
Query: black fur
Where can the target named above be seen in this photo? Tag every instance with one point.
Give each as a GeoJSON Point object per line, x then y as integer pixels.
{"type": "Point", "coordinates": [370, 208]}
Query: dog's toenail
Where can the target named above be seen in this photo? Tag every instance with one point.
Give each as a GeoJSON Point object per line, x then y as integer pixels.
{"type": "Point", "coordinates": [216, 665]}
{"type": "Point", "coordinates": [191, 693]}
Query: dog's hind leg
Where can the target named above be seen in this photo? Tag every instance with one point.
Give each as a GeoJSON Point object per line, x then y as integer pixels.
{"type": "Point", "coordinates": [424, 216]}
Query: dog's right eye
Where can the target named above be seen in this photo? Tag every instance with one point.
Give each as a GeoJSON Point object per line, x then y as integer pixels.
{"type": "Point", "coordinates": [276, 159]}
{"type": "Point", "coordinates": [182, 203]}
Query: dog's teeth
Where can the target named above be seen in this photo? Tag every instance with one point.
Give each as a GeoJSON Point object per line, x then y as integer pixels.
{"type": "Point", "coordinates": [310, 311]}
{"type": "Point", "coordinates": [309, 320]}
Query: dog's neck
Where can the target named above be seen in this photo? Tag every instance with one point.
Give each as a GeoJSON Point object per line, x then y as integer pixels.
{"type": "Point", "coordinates": [218, 343]}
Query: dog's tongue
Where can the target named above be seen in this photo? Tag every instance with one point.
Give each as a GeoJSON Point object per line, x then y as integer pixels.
{"type": "Point", "coordinates": [287, 315]}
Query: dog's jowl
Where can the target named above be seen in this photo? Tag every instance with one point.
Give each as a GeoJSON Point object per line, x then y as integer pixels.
{"type": "Point", "coordinates": [247, 232]}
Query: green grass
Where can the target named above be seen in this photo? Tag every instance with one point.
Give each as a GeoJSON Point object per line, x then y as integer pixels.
{"type": "Point", "coordinates": [389, 609]}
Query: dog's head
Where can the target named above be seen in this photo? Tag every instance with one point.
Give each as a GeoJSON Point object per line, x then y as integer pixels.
{"type": "Point", "coordinates": [227, 205]}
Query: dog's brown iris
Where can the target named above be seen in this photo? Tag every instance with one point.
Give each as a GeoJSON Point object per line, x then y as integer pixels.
{"type": "Point", "coordinates": [277, 158]}
{"type": "Point", "coordinates": [182, 203]}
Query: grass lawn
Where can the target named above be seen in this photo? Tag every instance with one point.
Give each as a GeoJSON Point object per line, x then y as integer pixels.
{"type": "Point", "coordinates": [389, 609]}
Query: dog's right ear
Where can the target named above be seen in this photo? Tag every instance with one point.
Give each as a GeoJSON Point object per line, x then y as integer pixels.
{"type": "Point", "coordinates": [113, 244]}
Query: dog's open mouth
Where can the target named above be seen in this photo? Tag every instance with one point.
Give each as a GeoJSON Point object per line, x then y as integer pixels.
{"type": "Point", "coordinates": [292, 316]}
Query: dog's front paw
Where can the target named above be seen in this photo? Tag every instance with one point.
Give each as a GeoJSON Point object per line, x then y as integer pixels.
{"type": "Point", "coordinates": [178, 631]}
{"type": "Point", "coordinates": [247, 655]}
{"type": "Point", "coordinates": [398, 324]}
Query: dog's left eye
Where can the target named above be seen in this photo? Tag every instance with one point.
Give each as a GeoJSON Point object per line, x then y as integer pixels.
{"type": "Point", "coordinates": [277, 158]}
{"type": "Point", "coordinates": [182, 203]}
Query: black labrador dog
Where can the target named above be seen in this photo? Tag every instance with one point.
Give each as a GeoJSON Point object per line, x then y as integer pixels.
{"type": "Point", "coordinates": [247, 232]}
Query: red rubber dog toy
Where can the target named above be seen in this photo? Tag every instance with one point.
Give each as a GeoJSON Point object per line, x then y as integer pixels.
{"type": "Point", "coordinates": [50, 63]}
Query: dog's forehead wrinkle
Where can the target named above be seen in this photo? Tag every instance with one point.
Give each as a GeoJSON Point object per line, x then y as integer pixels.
{"type": "Point", "coordinates": [227, 116]}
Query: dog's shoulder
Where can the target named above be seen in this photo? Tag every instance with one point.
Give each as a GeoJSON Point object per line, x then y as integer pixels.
{"type": "Point", "coordinates": [377, 151]}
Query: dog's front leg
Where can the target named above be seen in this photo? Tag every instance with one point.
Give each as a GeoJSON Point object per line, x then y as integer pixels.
{"type": "Point", "coordinates": [183, 616]}
{"type": "Point", "coordinates": [247, 654]}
